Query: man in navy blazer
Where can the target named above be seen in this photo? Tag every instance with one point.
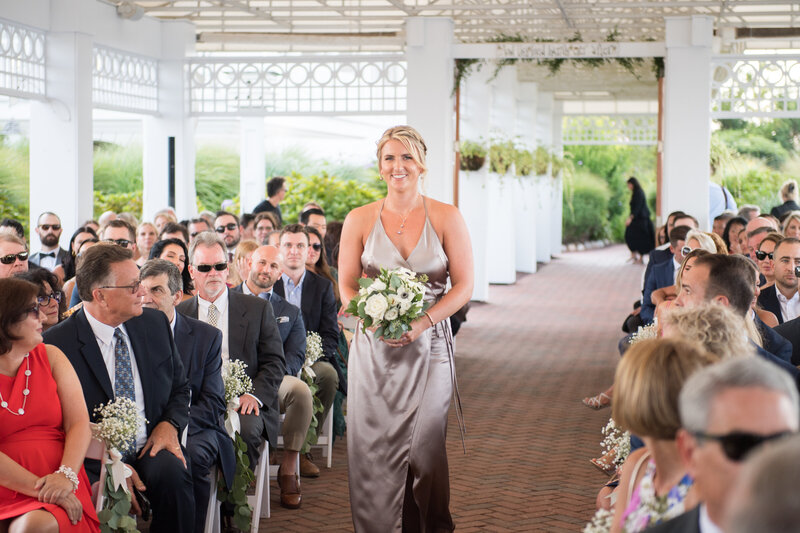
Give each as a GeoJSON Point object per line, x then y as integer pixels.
{"type": "Point", "coordinates": [782, 298]}
{"type": "Point", "coordinates": [119, 349]}
{"type": "Point", "coordinates": [199, 345]}
{"type": "Point", "coordinates": [663, 274]}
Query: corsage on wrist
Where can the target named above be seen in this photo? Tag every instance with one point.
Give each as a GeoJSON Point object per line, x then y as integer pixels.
{"type": "Point", "coordinates": [70, 475]}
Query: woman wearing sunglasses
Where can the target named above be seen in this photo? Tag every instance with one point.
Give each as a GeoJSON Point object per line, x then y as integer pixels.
{"type": "Point", "coordinates": [44, 425]}
{"type": "Point", "coordinates": [51, 300]}
{"type": "Point", "coordinates": [764, 258]}
{"type": "Point", "coordinates": [317, 262]}
{"type": "Point", "coordinates": [654, 485]}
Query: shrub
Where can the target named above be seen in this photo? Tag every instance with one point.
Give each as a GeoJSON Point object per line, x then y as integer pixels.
{"type": "Point", "coordinates": [216, 176]}
{"type": "Point", "coordinates": [752, 182]}
{"type": "Point", "coordinates": [122, 202]}
{"type": "Point", "coordinates": [336, 196]}
{"type": "Point", "coordinates": [117, 169]}
{"type": "Point", "coordinates": [586, 199]}
{"type": "Point", "coordinates": [772, 153]}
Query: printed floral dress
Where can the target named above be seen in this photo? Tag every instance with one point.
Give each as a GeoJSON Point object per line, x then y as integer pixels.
{"type": "Point", "coordinates": [647, 509]}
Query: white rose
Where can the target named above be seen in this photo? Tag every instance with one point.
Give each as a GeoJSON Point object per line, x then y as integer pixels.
{"type": "Point", "coordinates": [404, 305]}
{"type": "Point", "coordinates": [377, 285]}
{"type": "Point", "coordinates": [391, 314]}
{"type": "Point", "coordinates": [376, 306]}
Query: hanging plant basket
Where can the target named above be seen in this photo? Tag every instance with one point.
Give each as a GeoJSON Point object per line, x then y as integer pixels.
{"type": "Point", "coordinates": [473, 155]}
{"type": "Point", "coordinates": [472, 162]}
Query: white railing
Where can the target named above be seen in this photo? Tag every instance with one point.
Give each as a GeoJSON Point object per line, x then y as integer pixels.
{"type": "Point", "coordinates": [124, 82]}
{"type": "Point", "coordinates": [746, 86]}
{"type": "Point", "coordinates": [22, 61]}
{"type": "Point", "coordinates": [627, 129]}
{"type": "Point", "coordinates": [316, 85]}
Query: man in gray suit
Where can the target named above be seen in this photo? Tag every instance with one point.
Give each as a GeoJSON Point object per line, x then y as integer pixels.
{"type": "Point", "coordinates": [249, 333]}
{"type": "Point", "coordinates": [727, 410]}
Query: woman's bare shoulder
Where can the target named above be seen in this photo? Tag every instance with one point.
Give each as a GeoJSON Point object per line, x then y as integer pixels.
{"type": "Point", "coordinates": [365, 212]}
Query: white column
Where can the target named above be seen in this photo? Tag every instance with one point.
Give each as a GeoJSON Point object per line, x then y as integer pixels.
{"type": "Point", "coordinates": [476, 98]}
{"type": "Point", "coordinates": [525, 187]}
{"type": "Point", "coordinates": [687, 116]}
{"type": "Point", "coordinates": [429, 42]}
{"type": "Point", "coordinates": [557, 205]}
{"type": "Point", "coordinates": [252, 163]}
{"type": "Point", "coordinates": [61, 133]}
{"type": "Point", "coordinates": [173, 121]}
{"type": "Point", "coordinates": [544, 138]}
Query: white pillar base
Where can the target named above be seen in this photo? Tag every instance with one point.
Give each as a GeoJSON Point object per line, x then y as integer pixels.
{"type": "Point", "coordinates": [501, 242]}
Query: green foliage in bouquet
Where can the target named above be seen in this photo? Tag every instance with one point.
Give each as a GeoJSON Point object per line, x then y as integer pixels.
{"type": "Point", "coordinates": [242, 478]}
{"type": "Point", "coordinates": [115, 517]}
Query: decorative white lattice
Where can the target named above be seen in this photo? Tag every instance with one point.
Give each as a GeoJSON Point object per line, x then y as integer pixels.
{"type": "Point", "coordinates": [610, 129]}
{"type": "Point", "coordinates": [755, 86]}
{"type": "Point", "coordinates": [22, 61]}
{"type": "Point", "coordinates": [124, 82]}
{"type": "Point", "coordinates": [322, 85]}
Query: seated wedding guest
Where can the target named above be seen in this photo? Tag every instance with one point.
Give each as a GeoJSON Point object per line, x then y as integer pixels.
{"type": "Point", "coordinates": [331, 242]}
{"type": "Point", "coordinates": [791, 225]}
{"type": "Point", "coordinates": [654, 485]}
{"type": "Point", "coordinates": [295, 400]}
{"type": "Point", "coordinates": [106, 217]}
{"type": "Point", "coordinates": [726, 280]}
{"type": "Point", "coordinates": [50, 297]}
{"type": "Point", "coordinates": [749, 212]}
{"type": "Point", "coordinates": [314, 218]}
{"type": "Point", "coordinates": [240, 267]}
{"type": "Point", "coordinates": [763, 498]}
{"type": "Point", "coordinates": [195, 226]}
{"type": "Point", "coordinates": [209, 217]}
{"type": "Point", "coordinates": [69, 287]}
{"type": "Point", "coordinates": [51, 255]}
{"type": "Point", "coordinates": [163, 217]}
{"type": "Point", "coordinates": [728, 410]}
{"type": "Point", "coordinates": [718, 243]}
{"type": "Point", "coordinates": [13, 255]}
{"type": "Point", "coordinates": [716, 328]}
{"type": "Point", "coordinates": [699, 240]}
{"type": "Point", "coordinates": [199, 345]}
{"type": "Point", "coordinates": [173, 230]}
{"type": "Point", "coordinates": [274, 238]}
{"type": "Point", "coordinates": [81, 235]}
{"type": "Point", "coordinates": [661, 296]}
{"type": "Point", "coordinates": [248, 223]}
{"type": "Point", "coordinates": [265, 223]}
{"type": "Point", "coordinates": [317, 262]}
{"type": "Point", "coordinates": [14, 227]}
{"type": "Point", "coordinates": [146, 237]}
{"type": "Point", "coordinates": [752, 225]}
{"type": "Point", "coordinates": [731, 233]}
{"type": "Point", "coordinates": [130, 218]}
{"type": "Point", "coordinates": [782, 298]}
{"type": "Point", "coordinates": [754, 239]}
{"type": "Point", "coordinates": [720, 221]}
{"type": "Point", "coordinates": [119, 350]}
{"type": "Point", "coordinates": [789, 198]}
{"type": "Point", "coordinates": [44, 435]}
{"type": "Point", "coordinates": [175, 251]}
{"type": "Point", "coordinates": [120, 233]}
{"type": "Point", "coordinates": [664, 274]}
{"type": "Point", "coordinates": [91, 223]}
{"type": "Point", "coordinates": [764, 257]}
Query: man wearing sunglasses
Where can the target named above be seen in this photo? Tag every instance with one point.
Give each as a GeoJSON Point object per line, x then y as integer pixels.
{"type": "Point", "coordinates": [49, 229]}
{"type": "Point", "coordinates": [120, 233]}
{"type": "Point", "coordinates": [227, 226]}
{"type": "Point", "coordinates": [727, 410]}
{"type": "Point", "coordinates": [13, 255]}
{"type": "Point", "coordinates": [782, 298]}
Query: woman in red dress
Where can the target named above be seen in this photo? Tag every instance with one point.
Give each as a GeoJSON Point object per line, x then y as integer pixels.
{"type": "Point", "coordinates": [44, 425]}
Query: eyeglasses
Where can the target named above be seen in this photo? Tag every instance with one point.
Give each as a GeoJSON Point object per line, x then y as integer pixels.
{"type": "Point", "coordinates": [45, 300]}
{"type": "Point", "coordinates": [317, 247]}
{"type": "Point", "coordinates": [10, 258]}
{"type": "Point", "coordinates": [120, 242]}
{"type": "Point", "coordinates": [763, 255]}
{"type": "Point", "coordinates": [47, 227]}
{"type": "Point", "coordinates": [738, 444]}
{"type": "Point", "coordinates": [686, 250]}
{"type": "Point", "coordinates": [33, 311]}
{"type": "Point", "coordinates": [219, 267]}
{"type": "Point", "coordinates": [134, 288]}
{"type": "Point", "coordinates": [229, 227]}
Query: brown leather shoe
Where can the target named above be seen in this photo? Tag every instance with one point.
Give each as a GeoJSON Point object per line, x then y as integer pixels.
{"type": "Point", "coordinates": [291, 498]}
{"type": "Point", "coordinates": [307, 468]}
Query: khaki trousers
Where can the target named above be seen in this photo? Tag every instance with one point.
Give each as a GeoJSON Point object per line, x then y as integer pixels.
{"type": "Point", "coordinates": [296, 403]}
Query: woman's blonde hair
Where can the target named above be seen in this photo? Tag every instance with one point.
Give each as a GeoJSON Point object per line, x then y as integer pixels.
{"type": "Point", "coordinates": [789, 190]}
{"type": "Point", "coordinates": [716, 327]}
{"type": "Point", "coordinates": [722, 248]}
{"type": "Point", "coordinates": [247, 246]}
{"type": "Point", "coordinates": [648, 381]}
{"type": "Point", "coordinates": [793, 215]}
{"type": "Point", "coordinates": [706, 242]}
{"type": "Point", "coordinates": [410, 139]}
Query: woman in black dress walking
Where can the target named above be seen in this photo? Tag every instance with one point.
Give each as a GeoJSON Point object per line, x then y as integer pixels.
{"type": "Point", "coordinates": [639, 231]}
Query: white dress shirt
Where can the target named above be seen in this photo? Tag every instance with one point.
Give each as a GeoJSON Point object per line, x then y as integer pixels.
{"type": "Point", "coordinates": [706, 525]}
{"type": "Point", "coordinates": [222, 322]}
{"type": "Point", "coordinates": [790, 307]}
{"type": "Point", "coordinates": [104, 334]}
{"type": "Point", "coordinates": [48, 262]}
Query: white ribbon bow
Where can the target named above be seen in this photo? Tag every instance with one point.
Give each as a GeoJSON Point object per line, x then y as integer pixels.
{"type": "Point", "coordinates": [232, 423]}
{"type": "Point", "coordinates": [119, 472]}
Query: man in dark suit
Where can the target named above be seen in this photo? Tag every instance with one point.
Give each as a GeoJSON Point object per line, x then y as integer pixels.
{"type": "Point", "coordinates": [313, 294]}
{"type": "Point", "coordinates": [119, 350]}
{"type": "Point", "coordinates": [49, 229]}
{"type": "Point", "coordinates": [663, 274]}
{"type": "Point", "coordinates": [791, 331]}
{"type": "Point", "coordinates": [249, 334]}
{"type": "Point", "coordinates": [727, 410]}
{"type": "Point", "coordinates": [782, 298]}
{"type": "Point", "coordinates": [199, 346]}
{"type": "Point", "coordinates": [662, 253]}
{"type": "Point", "coordinates": [294, 395]}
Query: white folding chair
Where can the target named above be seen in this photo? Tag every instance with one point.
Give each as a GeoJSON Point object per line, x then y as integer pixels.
{"type": "Point", "coordinates": [97, 451]}
{"type": "Point", "coordinates": [325, 438]}
{"type": "Point", "coordinates": [260, 500]}
{"type": "Point", "coordinates": [213, 511]}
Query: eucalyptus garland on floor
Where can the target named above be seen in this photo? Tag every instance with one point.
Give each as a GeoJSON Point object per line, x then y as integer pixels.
{"type": "Point", "coordinates": [313, 354]}
{"type": "Point", "coordinates": [237, 383]}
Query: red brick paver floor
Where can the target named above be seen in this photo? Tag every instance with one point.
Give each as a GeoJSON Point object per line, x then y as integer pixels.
{"type": "Point", "coordinates": [524, 361]}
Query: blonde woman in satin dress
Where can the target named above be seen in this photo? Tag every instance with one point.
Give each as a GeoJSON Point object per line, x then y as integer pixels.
{"type": "Point", "coordinates": [400, 390]}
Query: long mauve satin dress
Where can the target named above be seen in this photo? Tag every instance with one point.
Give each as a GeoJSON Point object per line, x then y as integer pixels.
{"type": "Point", "coordinates": [397, 406]}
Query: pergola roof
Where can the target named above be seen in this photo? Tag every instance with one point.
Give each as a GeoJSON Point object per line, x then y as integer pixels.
{"type": "Point", "coordinates": [282, 25]}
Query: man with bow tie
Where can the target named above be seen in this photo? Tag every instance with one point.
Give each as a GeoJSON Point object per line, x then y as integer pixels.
{"type": "Point", "coordinates": [266, 267]}
{"type": "Point", "coordinates": [49, 229]}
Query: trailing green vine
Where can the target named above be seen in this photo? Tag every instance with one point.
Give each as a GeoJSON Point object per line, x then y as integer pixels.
{"type": "Point", "coordinates": [242, 478]}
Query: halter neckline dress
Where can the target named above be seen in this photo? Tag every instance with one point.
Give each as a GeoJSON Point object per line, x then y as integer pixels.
{"type": "Point", "coordinates": [397, 405]}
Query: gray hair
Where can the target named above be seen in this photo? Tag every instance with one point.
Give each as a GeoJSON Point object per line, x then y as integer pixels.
{"type": "Point", "coordinates": [702, 387]}
{"type": "Point", "coordinates": [766, 490]}
{"type": "Point", "coordinates": [209, 239]}
{"type": "Point", "coordinates": [156, 267]}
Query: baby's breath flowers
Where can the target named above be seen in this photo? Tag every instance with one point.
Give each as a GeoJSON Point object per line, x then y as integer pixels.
{"type": "Point", "coordinates": [235, 379]}
{"type": "Point", "coordinates": [118, 422]}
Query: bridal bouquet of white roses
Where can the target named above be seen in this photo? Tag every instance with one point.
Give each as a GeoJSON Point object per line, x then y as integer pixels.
{"type": "Point", "coordinates": [390, 301]}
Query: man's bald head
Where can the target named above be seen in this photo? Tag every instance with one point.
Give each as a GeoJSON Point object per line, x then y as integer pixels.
{"type": "Point", "coordinates": [266, 267]}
